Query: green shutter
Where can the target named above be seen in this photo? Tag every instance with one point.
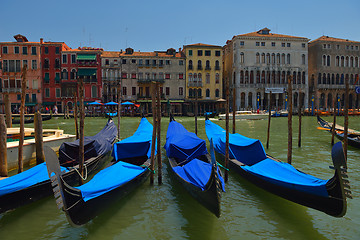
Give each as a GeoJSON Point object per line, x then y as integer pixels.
{"type": "Point", "coordinates": [86, 57]}
{"type": "Point", "coordinates": [87, 72]}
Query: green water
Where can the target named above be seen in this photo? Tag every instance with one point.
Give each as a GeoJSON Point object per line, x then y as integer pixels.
{"type": "Point", "coordinates": [168, 212]}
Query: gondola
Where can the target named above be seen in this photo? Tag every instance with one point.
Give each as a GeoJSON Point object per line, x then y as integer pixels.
{"type": "Point", "coordinates": [193, 167]}
{"type": "Point", "coordinates": [34, 184]}
{"type": "Point", "coordinates": [353, 136]}
{"type": "Point", "coordinates": [128, 170]}
{"type": "Point", "coordinates": [248, 158]}
{"type": "Point", "coordinates": [31, 119]}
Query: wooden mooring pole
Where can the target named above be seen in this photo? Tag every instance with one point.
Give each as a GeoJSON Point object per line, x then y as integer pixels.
{"type": "Point", "coordinates": [8, 114]}
{"type": "Point", "coordinates": [346, 117]}
{"type": "Point", "coordinates": [289, 155]}
{"type": "Point", "coordinates": [227, 129]}
{"type": "Point", "coordinates": [158, 128]}
{"type": "Point", "coordinates": [299, 113]}
{"type": "Point", "coordinates": [3, 148]}
{"type": "Point", "coordinates": [81, 132]}
{"type": "Point", "coordinates": [234, 110]}
{"type": "Point", "coordinates": [334, 122]}
{"type": "Point", "coordinates": [153, 106]}
{"type": "Point", "coordinates": [196, 109]}
{"type": "Point", "coordinates": [22, 120]}
{"type": "Point", "coordinates": [119, 107]}
{"type": "Point", "coordinates": [75, 114]}
{"type": "Point", "coordinates": [39, 144]}
{"type": "Point", "coordinates": [269, 120]}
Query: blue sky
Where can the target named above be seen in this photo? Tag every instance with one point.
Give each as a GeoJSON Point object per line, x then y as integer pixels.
{"type": "Point", "coordinates": [160, 24]}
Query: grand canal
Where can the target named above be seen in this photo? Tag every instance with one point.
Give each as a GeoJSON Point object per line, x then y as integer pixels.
{"type": "Point", "coordinates": [168, 212]}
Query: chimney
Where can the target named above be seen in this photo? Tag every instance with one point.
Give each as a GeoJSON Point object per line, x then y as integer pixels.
{"type": "Point", "coordinates": [41, 40]}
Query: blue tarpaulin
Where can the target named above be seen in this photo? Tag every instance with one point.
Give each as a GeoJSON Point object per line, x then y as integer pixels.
{"type": "Point", "coordinates": [109, 179]}
{"type": "Point", "coordinates": [112, 114]}
{"type": "Point", "coordinates": [138, 145]}
{"type": "Point", "coordinates": [285, 175]}
{"type": "Point", "coordinates": [247, 150]}
{"type": "Point", "coordinates": [183, 144]}
{"type": "Point", "coordinates": [251, 152]}
{"type": "Point", "coordinates": [96, 145]}
{"type": "Point", "coordinates": [28, 178]}
{"type": "Point", "coordinates": [197, 172]}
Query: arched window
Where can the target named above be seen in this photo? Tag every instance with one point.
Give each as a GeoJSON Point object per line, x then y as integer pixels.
{"type": "Point", "coordinates": [263, 77]}
{"type": "Point", "coordinates": [278, 77]}
{"type": "Point", "coordinates": [46, 63]}
{"type": "Point", "coordinates": [241, 77]}
{"type": "Point", "coordinates": [337, 79]}
{"type": "Point", "coordinates": [328, 60]}
{"type": "Point", "coordinates": [64, 74]}
{"type": "Point", "coordinates": [283, 58]}
{"type": "Point", "coordinates": [190, 92]}
{"type": "Point", "coordinates": [273, 58]}
{"type": "Point", "coordinates": [333, 79]}
{"type": "Point", "coordinates": [268, 58]}
{"type": "Point", "coordinates": [217, 78]}
{"type": "Point", "coordinates": [294, 77]}
{"type": "Point", "coordinates": [351, 61]}
{"type": "Point", "coordinates": [73, 74]}
{"type": "Point", "coordinates": [190, 77]}
{"type": "Point", "coordinates": [328, 79]}
{"type": "Point", "coordinates": [208, 78]}
{"type": "Point", "coordinates": [288, 59]}
{"type": "Point", "coordinates": [217, 65]}
{"type": "Point", "coordinates": [195, 77]}
{"type": "Point", "coordinates": [263, 58]}
{"type": "Point", "coordinates": [356, 62]}
{"type": "Point", "coordinates": [303, 78]}
{"type": "Point", "coordinates": [324, 79]}
{"type": "Point", "coordinates": [217, 93]}
{"type": "Point", "coordinates": [199, 65]}
{"type": "Point", "coordinates": [57, 63]}
{"type": "Point", "coordinates": [347, 61]}
{"type": "Point", "coordinates": [207, 65]}
{"type": "Point", "coordinates": [199, 92]}
{"type": "Point", "coordinates": [200, 77]}
{"type": "Point", "coordinates": [207, 93]}
{"type": "Point", "coordinates": [257, 58]}
{"type": "Point", "coordinates": [250, 99]}
{"type": "Point", "coordinates": [278, 58]}
{"type": "Point", "coordinates": [242, 60]}
{"type": "Point", "coordinates": [342, 64]}
{"type": "Point", "coordinates": [251, 77]}
{"type": "Point", "coordinates": [337, 61]}
{"type": "Point", "coordinates": [283, 78]}
{"type": "Point", "coordinates": [319, 78]}
{"type": "Point", "coordinates": [257, 76]}
{"type": "Point", "coordinates": [324, 60]}
{"type": "Point", "coordinates": [246, 77]}
{"type": "Point", "coordinates": [342, 79]}
{"type": "Point", "coordinates": [190, 65]}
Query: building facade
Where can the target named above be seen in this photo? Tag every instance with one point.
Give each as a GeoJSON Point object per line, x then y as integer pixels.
{"type": "Point", "coordinates": [332, 62]}
{"type": "Point", "coordinates": [135, 71]}
{"type": "Point", "coordinates": [204, 76]}
{"type": "Point", "coordinates": [259, 62]}
{"type": "Point", "coordinates": [13, 57]}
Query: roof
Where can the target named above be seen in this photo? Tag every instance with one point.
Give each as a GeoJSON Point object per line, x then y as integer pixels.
{"type": "Point", "coordinates": [332, 39]}
{"type": "Point", "coordinates": [202, 45]}
{"type": "Point", "coordinates": [265, 33]}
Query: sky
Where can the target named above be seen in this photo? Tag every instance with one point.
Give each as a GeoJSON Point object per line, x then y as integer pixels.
{"type": "Point", "coordinates": [156, 25]}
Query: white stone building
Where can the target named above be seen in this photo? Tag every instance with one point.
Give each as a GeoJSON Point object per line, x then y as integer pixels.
{"type": "Point", "coordinates": [259, 62]}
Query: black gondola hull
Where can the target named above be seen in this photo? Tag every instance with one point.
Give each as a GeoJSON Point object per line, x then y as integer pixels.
{"type": "Point", "coordinates": [334, 205]}
{"type": "Point", "coordinates": [44, 189]}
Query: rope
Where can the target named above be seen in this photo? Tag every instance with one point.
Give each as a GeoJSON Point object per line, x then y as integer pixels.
{"type": "Point", "coordinates": [147, 168]}
{"type": "Point", "coordinates": [79, 172]}
{"type": "Point", "coordinates": [222, 166]}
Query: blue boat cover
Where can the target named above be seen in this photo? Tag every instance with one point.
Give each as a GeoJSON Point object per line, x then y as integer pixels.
{"type": "Point", "coordinates": [138, 145]}
{"type": "Point", "coordinates": [94, 146]}
{"type": "Point", "coordinates": [251, 152]}
{"type": "Point", "coordinates": [246, 150]}
{"type": "Point", "coordinates": [197, 172]}
{"type": "Point", "coordinates": [182, 144]}
{"type": "Point", "coordinates": [28, 178]}
{"type": "Point", "coordinates": [285, 175]}
{"type": "Point", "coordinates": [109, 179]}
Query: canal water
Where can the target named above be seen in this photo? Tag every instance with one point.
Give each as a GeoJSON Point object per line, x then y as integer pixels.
{"type": "Point", "coordinates": [169, 212]}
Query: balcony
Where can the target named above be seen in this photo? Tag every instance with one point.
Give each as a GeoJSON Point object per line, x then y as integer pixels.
{"type": "Point", "coordinates": [199, 68]}
{"type": "Point", "coordinates": [148, 97]}
{"type": "Point", "coordinates": [217, 67]}
{"type": "Point", "coordinates": [334, 86]}
{"type": "Point", "coordinates": [195, 84]}
{"type": "Point", "coordinates": [11, 90]}
{"type": "Point", "coordinates": [87, 63]}
{"type": "Point", "coordinates": [194, 97]}
{"type": "Point", "coordinates": [143, 80]}
{"type": "Point", "coordinates": [207, 68]}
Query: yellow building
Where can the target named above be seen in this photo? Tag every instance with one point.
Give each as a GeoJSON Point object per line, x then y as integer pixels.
{"type": "Point", "coordinates": [204, 76]}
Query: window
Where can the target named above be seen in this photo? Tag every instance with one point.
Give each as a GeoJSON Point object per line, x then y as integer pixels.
{"type": "Point", "coordinates": [207, 78]}
{"type": "Point", "coordinates": [133, 60]}
{"type": "Point", "coordinates": [124, 75]}
{"type": "Point", "coordinates": [190, 77]}
{"type": "Point", "coordinates": [262, 44]}
{"type": "Point", "coordinates": [303, 45]}
{"type": "Point", "coordinates": [124, 91]}
{"type": "Point", "coordinates": [46, 50]}
{"type": "Point", "coordinates": [288, 44]}
{"type": "Point", "coordinates": [154, 63]}
{"type": "Point", "coordinates": [242, 43]}
{"type": "Point", "coordinates": [64, 74]}
{"type": "Point", "coordinates": [4, 50]}
{"type": "Point", "coordinates": [16, 50]}
{"type": "Point", "coordinates": [133, 91]}
{"type": "Point", "coordinates": [324, 46]}
{"type": "Point", "coordinates": [57, 77]}
{"type": "Point", "coordinates": [242, 60]}
{"type": "Point", "coordinates": [73, 58]}
{"type": "Point", "coordinates": [5, 66]}
{"type": "Point", "coordinates": [181, 62]}
{"type": "Point", "coordinates": [161, 63]}
{"type": "Point", "coordinates": [190, 53]}
{"type": "Point", "coordinates": [282, 44]}
{"type": "Point", "coordinates": [217, 78]}
{"type": "Point", "coordinates": [57, 93]}
{"type": "Point", "coordinates": [35, 84]}
{"type": "Point", "coordinates": [33, 64]}
{"type": "Point", "coordinates": [181, 76]}
{"type": "Point", "coordinates": [167, 91]}
{"type": "Point", "coordinates": [73, 74]}
{"type": "Point", "coordinates": [17, 66]}
{"type": "Point", "coordinates": [25, 62]}
{"type": "Point", "coordinates": [47, 92]}
{"type": "Point", "coordinates": [57, 63]}
{"type": "Point", "coordinates": [303, 60]}
{"type": "Point", "coordinates": [18, 97]}
{"type": "Point", "coordinates": [133, 76]}
{"type": "Point", "coordinates": [107, 62]}
{"type": "Point", "coordinates": [47, 78]}
{"type": "Point", "coordinates": [167, 62]}
{"type": "Point", "coordinates": [217, 65]}
{"type": "Point", "coordinates": [46, 63]}
{"type": "Point", "coordinates": [288, 58]}
{"type": "Point", "coordinates": [207, 53]}
{"type": "Point", "coordinates": [200, 52]}
{"type": "Point", "coordinates": [94, 92]}
{"type": "Point", "coordinates": [24, 50]}
{"type": "Point", "coordinates": [263, 57]}
{"type": "Point", "coordinates": [57, 50]}
{"type": "Point", "coordinates": [199, 67]}
{"type": "Point", "coordinates": [273, 44]}
{"type": "Point", "coordinates": [217, 53]}
{"type": "Point", "coordinates": [328, 61]}
{"type": "Point", "coordinates": [207, 93]}
{"type": "Point", "coordinates": [181, 91]}
{"type": "Point", "coordinates": [64, 58]}
{"type": "Point", "coordinates": [257, 44]}
{"type": "Point", "coordinates": [33, 50]}
{"type": "Point", "coordinates": [167, 75]}
{"type": "Point", "coordinates": [207, 64]}
{"type": "Point", "coordinates": [123, 61]}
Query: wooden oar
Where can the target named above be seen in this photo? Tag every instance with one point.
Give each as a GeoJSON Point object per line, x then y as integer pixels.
{"type": "Point", "coordinates": [329, 129]}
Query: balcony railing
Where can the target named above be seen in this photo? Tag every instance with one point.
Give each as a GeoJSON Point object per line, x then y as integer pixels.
{"type": "Point", "coordinates": [195, 84]}
{"type": "Point", "coordinates": [334, 86]}
{"type": "Point", "coordinates": [217, 67]}
{"type": "Point", "coordinates": [143, 80]}
{"type": "Point", "coordinates": [193, 97]}
{"type": "Point", "coordinates": [144, 97]}
{"type": "Point", "coordinates": [11, 90]}
{"type": "Point", "coordinates": [86, 63]}
{"type": "Point", "coordinates": [207, 68]}
{"type": "Point", "coordinates": [199, 68]}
